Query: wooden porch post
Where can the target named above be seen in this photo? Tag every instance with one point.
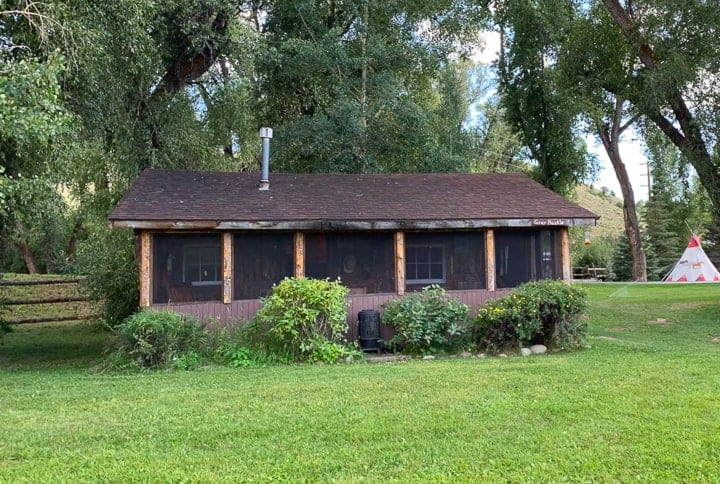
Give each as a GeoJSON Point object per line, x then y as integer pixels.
{"type": "Point", "coordinates": [145, 268]}
{"type": "Point", "coordinates": [565, 261]}
{"type": "Point", "coordinates": [400, 263]}
{"type": "Point", "coordinates": [299, 254]}
{"type": "Point", "coordinates": [490, 260]}
{"type": "Point", "coordinates": [227, 267]}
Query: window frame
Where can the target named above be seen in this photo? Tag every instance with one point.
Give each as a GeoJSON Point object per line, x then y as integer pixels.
{"type": "Point", "coordinates": [217, 264]}
{"type": "Point", "coordinates": [430, 262]}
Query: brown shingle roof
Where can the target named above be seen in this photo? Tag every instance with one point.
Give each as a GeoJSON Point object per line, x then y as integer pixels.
{"type": "Point", "coordinates": [192, 196]}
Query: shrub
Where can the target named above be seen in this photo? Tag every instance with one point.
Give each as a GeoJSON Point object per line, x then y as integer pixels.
{"type": "Point", "coordinates": [108, 261]}
{"type": "Point", "coordinates": [305, 319]}
{"type": "Point", "coordinates": [158, 338]}
{"type": "Point", "coordinates": [546, 312]}
{"type": "Point", "coordinates": [426, 321]}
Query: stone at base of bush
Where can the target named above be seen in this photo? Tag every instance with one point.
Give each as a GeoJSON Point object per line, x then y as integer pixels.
{"type": "Point", "coordinates": [525, 351]}
{"type": "Point", "coordinates": [538, 349]}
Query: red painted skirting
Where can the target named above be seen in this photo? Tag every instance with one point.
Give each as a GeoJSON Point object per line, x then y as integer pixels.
{"type": "Point", "coordinates": [239, 311]}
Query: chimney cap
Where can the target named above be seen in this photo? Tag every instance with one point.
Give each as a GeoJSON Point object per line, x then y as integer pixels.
{"type": "Point", "coordinates": [266, 132]}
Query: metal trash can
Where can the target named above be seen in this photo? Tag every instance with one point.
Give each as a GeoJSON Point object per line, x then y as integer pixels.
{"type": "Point", "coordinates": [369, 330]}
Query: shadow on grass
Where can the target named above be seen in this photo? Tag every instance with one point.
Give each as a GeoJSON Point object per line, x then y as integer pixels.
{"type": "Point", "coordinates": [55, 345]}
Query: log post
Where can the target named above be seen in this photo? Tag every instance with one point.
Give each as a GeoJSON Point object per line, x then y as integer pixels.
{"type": "Point", "coordinates": [299, 254]}
{"type": "Point", "coordinates": [565, 261]}
{"type": "Point", "coordinates": [400, 263]}
{"type": "Point", "coordinates": [227, 267]}
{"type": "Point", "coordinates": [145, 268]}
{"type": "Point", "coordinates": [490, 260]}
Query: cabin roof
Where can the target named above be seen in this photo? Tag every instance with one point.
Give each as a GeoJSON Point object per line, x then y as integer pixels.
{"type": "Point", "coordinates": [176, 199]}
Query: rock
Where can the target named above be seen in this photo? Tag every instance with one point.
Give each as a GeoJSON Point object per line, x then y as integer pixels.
{"type": "Point", "coordinates": [428, 357]}
{"type": "Point", "coordinates": [525, 351]}
{"type": "Point", "coordinates": [349, 359]}
{"type": "Point", "coordinates": [538, 349]}
{"type": "Point", "coordinates": [466, 354]}
{"type": "Point", "coordinates": [502, 355]}
{"type": "Point", "coordinates": [480, 355]}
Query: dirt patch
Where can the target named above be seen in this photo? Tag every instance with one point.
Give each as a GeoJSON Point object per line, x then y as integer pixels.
{"type": "Point", "coordinates": [609, 338]}
{"type": "Point", "coordinates": [661, 321]}
{"type": "Point", "coordinates": [716, 339]}
{"type": "Point", "coordinates": [617, 328]}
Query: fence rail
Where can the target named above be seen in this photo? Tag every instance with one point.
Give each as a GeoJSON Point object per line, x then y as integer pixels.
{"type": "Point", "coordinates": [40, 282]}
{"type": "Point", "coordinates": [28, 301]}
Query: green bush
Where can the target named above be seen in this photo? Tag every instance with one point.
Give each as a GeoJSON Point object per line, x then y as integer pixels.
{"type": "Point", "coordinates": [156, 339]}
{"type": "Point", "coordinates": [305, 319]}
{"type": "Point", "coordinates": [426, 321]}
{"type": "Point", "coordinates": [107, 260]}
{"type": "Point", "coordinates": [546, 312]}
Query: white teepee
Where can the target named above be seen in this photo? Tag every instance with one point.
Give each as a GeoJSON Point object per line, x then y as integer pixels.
{"type": "Point", "coordinates": [694, 265]}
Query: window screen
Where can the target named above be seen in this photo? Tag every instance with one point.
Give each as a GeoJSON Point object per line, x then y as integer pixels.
{"type": "Point", "coordinates": [454, 260]}
{"type": "Point", "coordinates": [365, 263]}
{"type": "Point", "coordinates": [261, 260]}
{"type": "Point", "coordinates": [525, 255]}
{"type": "Point", "coordinates": [187, 268]}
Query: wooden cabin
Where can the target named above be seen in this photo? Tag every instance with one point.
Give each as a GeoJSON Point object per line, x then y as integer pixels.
{"type": "Point", "coordinates": [212, 243]}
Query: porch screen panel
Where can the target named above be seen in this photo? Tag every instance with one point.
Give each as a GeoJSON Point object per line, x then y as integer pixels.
{"type": "Point", "coordinates": [261, 260]}
{"type": "Point", "coordinates": [365, 263]}
{"type": "Point", "coordinates": [526, 255]}
{"type": "Point", "coordinates": [453, 260]}
{"type": "Point", "coordinates": [187, 268]}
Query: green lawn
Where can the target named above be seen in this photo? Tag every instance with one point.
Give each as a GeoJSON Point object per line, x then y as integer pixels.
{"type": "Point", "coordinates": [643, 404]}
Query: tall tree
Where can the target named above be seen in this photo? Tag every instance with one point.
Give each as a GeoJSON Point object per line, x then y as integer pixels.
{"type": "Point", "coordinates": [675, 50]}
{"type": "Point", "coordinates": [366, 86]}
{"type": "Point", "coordinates": [677, 202]}
{"type": "Point", "coordinates": [536, 101]}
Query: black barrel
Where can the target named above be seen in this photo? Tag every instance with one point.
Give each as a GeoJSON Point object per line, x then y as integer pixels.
{"type": "Point", "coordinates": [369, 329]}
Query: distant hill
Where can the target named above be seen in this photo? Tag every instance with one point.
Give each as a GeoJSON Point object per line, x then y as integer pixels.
{"type": "Point", "coordinates": [607, 206]}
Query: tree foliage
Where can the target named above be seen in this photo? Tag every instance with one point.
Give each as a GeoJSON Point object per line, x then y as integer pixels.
{"type": "Point", "coordinates": [537, 102]}
{"type": "Point", "coordinates": [367, 86]}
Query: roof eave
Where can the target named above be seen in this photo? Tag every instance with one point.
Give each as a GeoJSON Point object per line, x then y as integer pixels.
{"type": "Point", "coordinates": [330, 225]}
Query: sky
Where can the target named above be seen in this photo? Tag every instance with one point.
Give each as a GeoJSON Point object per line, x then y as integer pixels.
{"type": "Point", "coordinates": [631, 148]}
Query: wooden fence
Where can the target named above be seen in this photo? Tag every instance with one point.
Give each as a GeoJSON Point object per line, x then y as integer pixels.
{"type": "Point", "coordinates": [44, 300]}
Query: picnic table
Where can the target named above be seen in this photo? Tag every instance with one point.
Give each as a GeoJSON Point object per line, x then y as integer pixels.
{"type": "Point", "coordinates": [596, 273]}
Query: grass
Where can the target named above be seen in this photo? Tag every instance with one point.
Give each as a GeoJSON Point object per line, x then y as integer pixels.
{"type": "Point", "coordinates": [640, 405]}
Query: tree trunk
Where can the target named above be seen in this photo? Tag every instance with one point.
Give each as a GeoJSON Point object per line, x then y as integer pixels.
{"type": "Point", "coordinates": [72, 243]}
{"type": "Point", "coordinates": [363, 86]}
{"type": "Point", "coordinates": [683, 130]}
{"type": "Point", "coordinates": [24, 248]}
{"type": "Point", "coordinates": [610, 136]}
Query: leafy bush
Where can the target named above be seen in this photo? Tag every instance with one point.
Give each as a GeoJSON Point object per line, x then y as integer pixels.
{"type": "Point", "coordinates": [108, 261]}
{"type": "Point", "coordinates": [158, 338]}
{"type": "Point", "coordinates": [546, 312]}
{"type": "Point", "coordinates": [305, 319]}
{"type": "Point", "coordinates": [426, 321]}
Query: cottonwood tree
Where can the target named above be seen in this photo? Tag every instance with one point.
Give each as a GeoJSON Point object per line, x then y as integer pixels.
{"type": "Point", "coordinates": [657, 60]}
{"type": "Point", "coordinates": [536, 102]}
{"type": "Point", "coordinates": [674, 79]}
{"type": "Point", "coordinates": [367, 86]}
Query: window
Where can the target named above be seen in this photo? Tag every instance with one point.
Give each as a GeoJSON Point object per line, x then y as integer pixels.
{"type": "Point", "coordinates": [526, 255]}
{"type": "Point", "coordinates": [202, 265]}
{"type": "Point", "coordinates": [261, 260]}
{"type": "Point", "coordinates": [187, 268]}
{"type": "Point", "coordinates": [424, 264]}
{"type": "Point", "coordinates": [364, 262]}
